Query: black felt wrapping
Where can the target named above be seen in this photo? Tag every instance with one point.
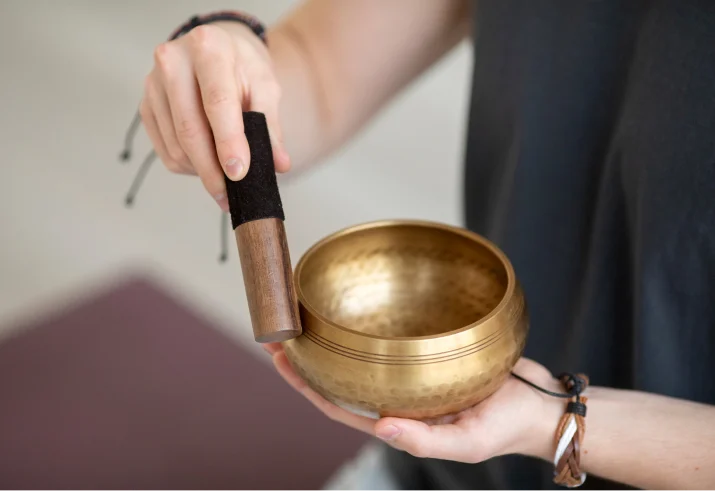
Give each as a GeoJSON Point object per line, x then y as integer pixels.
{"type": "Point", "coordinates": [255, 196]}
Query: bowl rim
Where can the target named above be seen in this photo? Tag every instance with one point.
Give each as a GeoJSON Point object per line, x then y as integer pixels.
{"type": "Point", "coordinates": [488, 244]}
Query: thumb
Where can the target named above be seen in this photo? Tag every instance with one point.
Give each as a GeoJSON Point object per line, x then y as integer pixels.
{"type": "Point", "coordinates": [447, 442]}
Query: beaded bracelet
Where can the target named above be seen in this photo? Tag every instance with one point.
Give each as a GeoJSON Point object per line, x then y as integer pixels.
{"type": "Point", "coordinates": [250, 21]}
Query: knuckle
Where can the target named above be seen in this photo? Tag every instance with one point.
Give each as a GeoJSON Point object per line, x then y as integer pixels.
{"type": "Point", "coordinates": [178, 156]}
{"type": "Point", "coordinates": [187, 130]}
{"type": "Point", "coordinates": [217, 97]}
{"type": "Point", "coordinates": [163, 55]}
{"type": "Point", "coordinates": [419, 450]}
{"type": "Point", "coordinates": [204, 37]}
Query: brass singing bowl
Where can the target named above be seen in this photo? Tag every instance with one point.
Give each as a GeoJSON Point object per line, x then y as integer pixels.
{"type": "Point", "coordinates": [407, 318]}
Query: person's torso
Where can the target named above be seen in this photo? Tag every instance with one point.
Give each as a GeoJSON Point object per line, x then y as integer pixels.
{"type": "Point", "coordinates": [591, 163]}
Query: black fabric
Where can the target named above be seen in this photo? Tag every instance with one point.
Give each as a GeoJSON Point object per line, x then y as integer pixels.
{"type": "Point", "coordinates": [255, 196]}
{"type": "Point", "coordinates": [591, 162]}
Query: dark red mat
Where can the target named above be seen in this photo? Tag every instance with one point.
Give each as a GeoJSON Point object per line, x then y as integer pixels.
{"type": "Point", "coordinates": [132, 390]}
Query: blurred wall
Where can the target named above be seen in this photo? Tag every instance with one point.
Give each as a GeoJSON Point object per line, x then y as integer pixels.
{"type": "Point", "coordinates": [70, 81]}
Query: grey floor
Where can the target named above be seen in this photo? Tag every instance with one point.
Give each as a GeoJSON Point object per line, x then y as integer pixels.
{"type": "Point", "coordinates": [70, 79]}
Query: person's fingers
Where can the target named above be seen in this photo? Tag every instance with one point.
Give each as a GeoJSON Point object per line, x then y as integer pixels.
{"type": "Point", "coordinates": [192, 128]}
{"type": "Point", "coordinates": [286, 371]}
{"type": "Point", "coordinates": [216, 74]}
{"type": "Point", "coordinates": [332, 411]}
{"type": "Point", "coordinates": [265, 98]}
{"type": "Point", "coordinates": [162, 113]}
{"type": "Point", "coordinates": [448, 442]}
{"type": "Point", "coordinates": [152, 130]}
{"type": "Point", "coordinates": [272, 348]}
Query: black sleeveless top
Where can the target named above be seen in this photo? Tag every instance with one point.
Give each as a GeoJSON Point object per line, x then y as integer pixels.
{"type": "Point", "coordinates": [591, 162]}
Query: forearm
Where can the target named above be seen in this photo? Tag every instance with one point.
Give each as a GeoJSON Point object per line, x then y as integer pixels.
{"type": "Point", "coordinates": [644, 440]}
{"type": "Point", "coordinates": [338, 63]}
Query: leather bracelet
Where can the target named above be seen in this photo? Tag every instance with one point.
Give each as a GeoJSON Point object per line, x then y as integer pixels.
{"type": "Point", "coordinates": [571, 429]}
{"type": "Point", "coordinates": [569, 434]}
{"type": "Point", "coordinates": [224, 15]}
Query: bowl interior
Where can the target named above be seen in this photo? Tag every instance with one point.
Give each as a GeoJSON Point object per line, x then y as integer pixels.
{"type": "Point", "coordinates": [402, 280]}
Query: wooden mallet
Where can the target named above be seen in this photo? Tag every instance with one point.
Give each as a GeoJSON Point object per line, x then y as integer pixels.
{"type": "Point", "coordinates": [257, 218]}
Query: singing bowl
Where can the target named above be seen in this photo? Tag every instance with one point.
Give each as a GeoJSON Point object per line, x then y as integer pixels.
{"type": "Point", "coordinates": [406, 318]}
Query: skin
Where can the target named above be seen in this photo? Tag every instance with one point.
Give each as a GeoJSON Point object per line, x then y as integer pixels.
{"type": "Point", "coordinates": [323, 77]}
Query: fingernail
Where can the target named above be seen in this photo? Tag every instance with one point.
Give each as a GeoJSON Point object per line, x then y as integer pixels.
{"type": "Point", "coordinates": [234, 168]}
{"type": "Point", "coordinates": [222, 201]}
{"type": "Point", "coordinates": [388, 433]}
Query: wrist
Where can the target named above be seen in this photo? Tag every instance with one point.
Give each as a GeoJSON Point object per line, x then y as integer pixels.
{"type": "Point", "coordinates": [553, 410]}
{"type": "Point", "coordinates": [539, 443]}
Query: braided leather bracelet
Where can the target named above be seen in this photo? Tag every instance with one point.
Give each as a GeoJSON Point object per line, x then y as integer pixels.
{"type": "Point", "coordinates": [570, 431]}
